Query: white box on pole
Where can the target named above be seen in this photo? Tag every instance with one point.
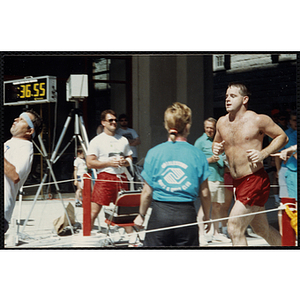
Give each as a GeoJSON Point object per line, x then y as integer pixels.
{"type": "Point", "coordinates": [77, 87]}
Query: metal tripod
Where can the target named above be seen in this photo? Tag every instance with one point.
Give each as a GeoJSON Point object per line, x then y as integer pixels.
{"type": "Point", "coordinates": [79, 128]}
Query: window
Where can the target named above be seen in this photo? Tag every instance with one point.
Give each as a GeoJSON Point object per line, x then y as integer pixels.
{"type": "Point", "coordinates": [101, 68]}
{"type": "Point", "coordinates": [221, 62]}
{"type": "Point", "coordinates": [110, 86]}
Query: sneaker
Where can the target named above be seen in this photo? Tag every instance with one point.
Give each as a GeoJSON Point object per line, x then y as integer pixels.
{"type": "Point", "coordinates": [78, 204]}
{"type": "Point", "coordinates": [208, 238]}
{"type": "Point", "coordinates": [220, 238]}
{"type": "Point", "coordinates": [132, 238]}
{"type": "Point", "coordinates": [204, 240]}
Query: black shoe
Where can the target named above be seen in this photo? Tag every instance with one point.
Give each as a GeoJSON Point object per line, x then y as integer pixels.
{"type": "Point", "coordinates": [78, 204]}
{"type": "Point", "coordinates": [66, 231]}
{"type": "Point", "coordinates": [77, 226]}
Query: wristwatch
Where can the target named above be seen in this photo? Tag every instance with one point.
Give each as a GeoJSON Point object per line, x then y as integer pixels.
{"type": "Point", "coordinates": [143, 216]}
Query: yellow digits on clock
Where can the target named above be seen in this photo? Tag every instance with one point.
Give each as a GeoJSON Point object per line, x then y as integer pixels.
{"type": "Point", "coordinates": [37, 91]}
{"type": "Point", "coordinates": [22, 91]}
{"type": "Point", "coordinates": [43, 91]}
{"type": "Point", "coordinates": [28, 91]}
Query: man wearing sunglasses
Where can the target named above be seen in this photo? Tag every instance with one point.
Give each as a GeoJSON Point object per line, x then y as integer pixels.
{"type": "Point", "coordinates": [108, 153]}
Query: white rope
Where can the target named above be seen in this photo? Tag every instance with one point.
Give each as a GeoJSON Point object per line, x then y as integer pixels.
{"type": "Point", "coordinates": [231, 186]}
{"type": "Point", "coordinates": [70, 180]}
{"type": "Point", "coordinates": [281, 207]}
{"type": "Point", "coordinates": [49, 183]}
{"type": "Point", "coordinates": [215, 220]}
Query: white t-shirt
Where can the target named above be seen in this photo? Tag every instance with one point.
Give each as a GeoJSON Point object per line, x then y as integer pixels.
{"type": "Point", "coordinates": [105, 147]}
{"type": "Point", "coordinates": [131, 134]}
{"type": "Point", "coordinates": [18, 152]}
{"type": "Point", "coordinates": [80, 164]}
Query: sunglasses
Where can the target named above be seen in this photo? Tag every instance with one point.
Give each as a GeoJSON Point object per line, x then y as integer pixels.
{"type": "Point", "coordinates": [111, 120]}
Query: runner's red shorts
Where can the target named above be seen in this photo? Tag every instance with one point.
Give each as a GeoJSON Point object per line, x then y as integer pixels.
{"type": "Point", "coordinates": [107, 186]}
{"type": "Point", "coordinates": [253, 189]}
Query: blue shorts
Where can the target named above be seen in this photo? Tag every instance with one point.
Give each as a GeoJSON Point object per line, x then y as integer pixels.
{"type": "Point", "coordinates": [283, 191]}
{"type": "Point", "coordinates": [291, 182]}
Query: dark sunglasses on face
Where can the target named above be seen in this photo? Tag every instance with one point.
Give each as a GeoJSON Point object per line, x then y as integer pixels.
{"type": "Point", "coordinates": [123, 120]}
{"type": "Point", "coordinates": [111, 120]}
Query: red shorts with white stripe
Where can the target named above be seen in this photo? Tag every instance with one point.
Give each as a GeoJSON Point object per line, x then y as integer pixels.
{"type": "Point", "coordinates": [107, 186]}
{"type": "Point", "coordinates": [253, 189]}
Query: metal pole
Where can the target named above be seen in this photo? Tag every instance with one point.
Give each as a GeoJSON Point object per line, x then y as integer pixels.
{"type": "Point", "coordinates": [86, 205]}
{"type": "Point", "coordinates": [34, 201]}
{"type": "Point", "coordinates": [61, 137]}
{"type": "Point", "coordinates": [19, 216]}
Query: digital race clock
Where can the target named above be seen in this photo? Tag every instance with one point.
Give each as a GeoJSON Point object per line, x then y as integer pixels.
{"type": "Point", "coordinates": [30, 90]}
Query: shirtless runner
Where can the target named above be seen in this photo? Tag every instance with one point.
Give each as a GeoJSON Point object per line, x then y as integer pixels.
{"type": "Point", "coordinates": [240, 134]}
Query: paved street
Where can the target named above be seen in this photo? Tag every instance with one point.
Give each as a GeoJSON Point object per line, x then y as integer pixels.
{"type": "Point", "coordinates": [40, 233]}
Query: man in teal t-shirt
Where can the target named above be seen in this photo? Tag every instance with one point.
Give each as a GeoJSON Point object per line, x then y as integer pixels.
{"type": "Point", "coordinates": [215, 180]}
{"type": "Point", "coordinates": [291, 173]}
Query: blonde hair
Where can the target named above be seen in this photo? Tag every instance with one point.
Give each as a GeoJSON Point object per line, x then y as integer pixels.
{"type": "Point", "coordinates": [177, 116]}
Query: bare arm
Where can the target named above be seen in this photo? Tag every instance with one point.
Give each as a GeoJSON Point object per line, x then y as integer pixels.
{"type": "Point", "coordinates": [213, 159]}
{"type": "Point", "coordinates": [277, 164]}
{"type": "Point", "coordinates": [286, 153]}
{"type": "Point", "coordinates": [271, 129]}
{"type": "Point", "coordinates": [280, 139]}
{"type": "Point", "coordinates": [146, 199]}
{"type": "Point", "coordinates": [218, 143]}
{"type": "Point", "coordinates": [10, 171]}
{"type": "Point", "coordinates": [206, 202]}
{"type": "Point", "coordinates": [75, 176]}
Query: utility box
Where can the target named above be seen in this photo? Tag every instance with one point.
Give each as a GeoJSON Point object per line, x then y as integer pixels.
{"type": "Point", "coordinates": [77, 87]}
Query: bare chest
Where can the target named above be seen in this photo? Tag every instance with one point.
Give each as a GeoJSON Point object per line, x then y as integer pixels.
{"type": "Point", "coordinates": [242, 132]}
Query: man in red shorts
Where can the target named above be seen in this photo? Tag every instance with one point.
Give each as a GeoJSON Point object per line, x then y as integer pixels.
{"type": "Point", "coordinates": [240, 134]}
{"type": "Point", "coordinates": [110, 154]}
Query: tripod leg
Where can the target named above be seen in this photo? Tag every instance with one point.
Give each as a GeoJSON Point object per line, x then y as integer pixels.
{"type": "Point", "coordinates": [82, 144]}
{"type": "Point", "coordinates": [61, 137]}
{"type": "Point", "coordinates": [34, 201]}
{"type": "Point", "coordinates": [55, 182]}
{"type": "Point", "coordinates": [61, 199]}
{"type": "Point", "coordinates": [62, 152]}
{"type": "Point", "coordinates": [85, 143]}
{"type": "Point", "coordinates": [45, 155]}
{"type": "Point", "coordinates": [83, 132]}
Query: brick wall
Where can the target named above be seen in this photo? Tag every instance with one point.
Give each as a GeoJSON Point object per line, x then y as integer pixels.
{"type": "Point", "coordinates": [272, 83]}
